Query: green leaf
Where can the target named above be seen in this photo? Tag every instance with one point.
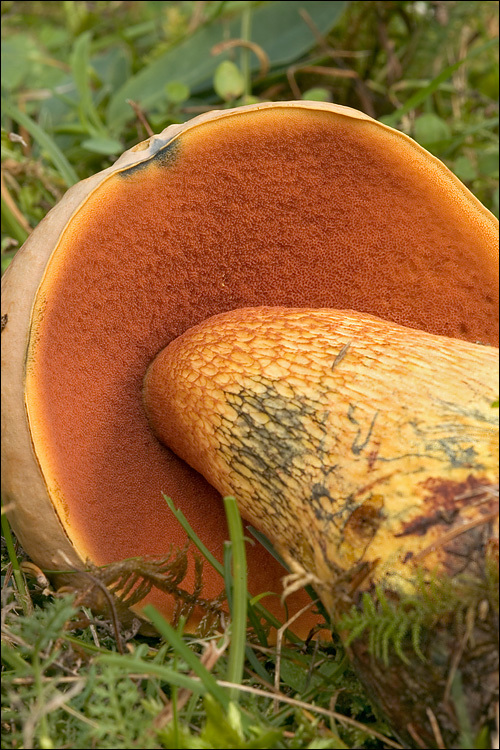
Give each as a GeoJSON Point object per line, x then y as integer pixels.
{"type": "Point", "coordinates": [317, 95]}
{"type": "Point", "coordinates": [277, 27]}
{"type": "Point", "coordinates": [321, 743]}
{"type": "Point", "coordinates": [294, 675]}
{"type": "Point", "coordinates": [222, 731]}
{"type": "Point", "coordinates": [177, 92]}
{"type": "Point", "coordinates": [17, 60]}
{"type": "Point", "coordinates": [80, 65]}
{"type": "Point", "coordinates": [18, 576]}
{"type": "Point", "coordinates": [183, 650]}
{"type": "Point", "coordinates": [464, 169]}
{"type": "Point", "coordinates": [133, 665]}
{"type": "Point", "coordinates": [488, 163]}
{"type": "Point", "coordinates": [11, 226]}
{"type": "Point", "coordinates": [229, 83]}
{"type": "Point", "coordinates": [108, 146]}
{"type": "Point", "coordinates": [430, 128]}
{"type": "Point", "coordinates": [181, 518]}
{"type": "Point", "coordinates": [112, 68]}
{"type": "Point", "coordinates": [66, 171]}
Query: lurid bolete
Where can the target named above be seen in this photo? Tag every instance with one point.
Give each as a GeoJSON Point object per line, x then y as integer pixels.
{"type": "Point", "coordinates": [290, 205]}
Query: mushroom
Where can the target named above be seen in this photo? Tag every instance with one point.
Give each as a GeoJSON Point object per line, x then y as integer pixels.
{"type": "Point", "coordinates": [294, 204]}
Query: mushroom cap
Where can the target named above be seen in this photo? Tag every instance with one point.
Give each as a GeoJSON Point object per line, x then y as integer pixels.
{"type": "Point", "coordinates": [300, 204]}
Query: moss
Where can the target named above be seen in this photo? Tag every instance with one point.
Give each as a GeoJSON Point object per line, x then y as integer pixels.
{"type": "Point", "coordinates": [431, 659]}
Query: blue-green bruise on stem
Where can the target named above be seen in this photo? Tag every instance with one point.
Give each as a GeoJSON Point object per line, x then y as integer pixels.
{"type": "Point", "coordinates": [236, 658]}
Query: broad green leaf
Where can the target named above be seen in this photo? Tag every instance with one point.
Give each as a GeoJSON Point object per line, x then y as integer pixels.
{"type": "Point", "coordinates": [17, 60]}
{"type": "Point", "coordinates": [112, 68]}
{"type": "Point", "coordinates": [332, 743]}
{"type": "Point", "coordinates": [294, 676]}
{"type": "Point", "coordinates": [277, 27]}
{"type": "Point", "coordinates": [430, 128]}
{"type": "Point", "coordinates": [488, 163]}
{"type": "Point", "coordinates": [464, 169]}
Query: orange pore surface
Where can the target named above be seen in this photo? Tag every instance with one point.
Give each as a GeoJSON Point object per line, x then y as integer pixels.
{"type": "Point", "coordinates": [284, 207]}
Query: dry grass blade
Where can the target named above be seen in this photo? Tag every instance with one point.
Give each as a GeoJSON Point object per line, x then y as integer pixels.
{"type": "Point", "coordinates": [279, 644]}
{"type": "Point", "coordinates": [11, 205]}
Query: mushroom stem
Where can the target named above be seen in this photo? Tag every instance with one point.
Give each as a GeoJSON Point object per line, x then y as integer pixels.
{"type": "Point", "coordinates": [346, 439]}
{"type": "Point", "coordinates": [367, 453]}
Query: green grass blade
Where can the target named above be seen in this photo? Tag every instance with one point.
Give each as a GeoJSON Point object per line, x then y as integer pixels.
{"type": "Point", "coordinates": [11, 657]}
{"type": "Point", "coordinates": [194, 537]}
{"type": "Point", "coordinates": [421, 96]}
{"type": "Point", "coordinates": [54, 153]}
{"type": "Point", "coordinates": [257, 608]}
{"type": "Point", "coordinates": [239, 597]}
{"type": "Point", "coordinates": [11, 225]}
{"type": "Point", "coordinates": [18, 576]}
{"type": "Point", "coordinates": [185, 653]}
{"type": "Point", "coordinates": [80, 61]}
{"type": "Point", "coordinates": [137, 666]}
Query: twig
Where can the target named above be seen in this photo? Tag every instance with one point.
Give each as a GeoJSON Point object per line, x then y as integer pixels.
{"type": "Point", "coordinates": [411, 730]}
{"type": "Point", "coordinates": [141, 117]}
{"type": "Point", "coordinates": [435, 728]}
{"type": "Point", "coordinates": [261, 55]}
{"type": "Point", "coordinates": [362, 89]}
{"type": "Point", "coordinates": [112, 609]}
{"type": "Point", "coordinates": [454, 533]}
{"type": "Point", "coordinates": [340, 356]}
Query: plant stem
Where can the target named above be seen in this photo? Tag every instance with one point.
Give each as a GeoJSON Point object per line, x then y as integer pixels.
{"type": "Point", "coordinates": [18, 576]}
{"type": "Point", "coordinates": [246, 24]}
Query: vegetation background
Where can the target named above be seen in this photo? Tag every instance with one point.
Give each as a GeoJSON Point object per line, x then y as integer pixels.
{"type": "Point", "coordinates": [83, 81]}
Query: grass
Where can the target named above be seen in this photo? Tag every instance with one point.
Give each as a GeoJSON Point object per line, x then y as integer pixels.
{"type": "Point", "coordinates": [81, 83]}
{"type": "Point", "coordinates": [65, 684]}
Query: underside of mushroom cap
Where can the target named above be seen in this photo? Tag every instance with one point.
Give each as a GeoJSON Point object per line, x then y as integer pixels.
{"type": "Point", "coordinates": [292, 205]}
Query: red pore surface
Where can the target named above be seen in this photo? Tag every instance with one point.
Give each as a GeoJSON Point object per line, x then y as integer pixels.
{"type": "Point", "coordinates": [281, 207]}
